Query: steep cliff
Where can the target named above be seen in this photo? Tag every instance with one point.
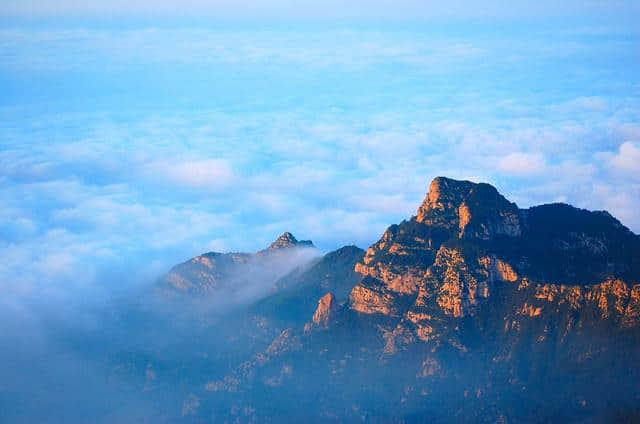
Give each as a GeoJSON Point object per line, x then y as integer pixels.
{"type": "Point", "coordinates": [467, 239]}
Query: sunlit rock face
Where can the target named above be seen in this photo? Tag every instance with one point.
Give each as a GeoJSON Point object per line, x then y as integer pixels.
{"type": "Point", "coordinates": [474, 210]}
{"type": "Point", "coordinates": [458, 290]}
{"type": "Point", "coordinates": [371, 296]}
{"type": "Point", "coordinates": [410, 257]}
{"type": "Point", "coordinates": [325, 310]}
{"type": "Point", "coordinates": [467, 242]}
{"type": "Point", "coordinates": [612, 300]}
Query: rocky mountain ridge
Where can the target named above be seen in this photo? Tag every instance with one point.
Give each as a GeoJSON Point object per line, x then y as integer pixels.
{"type": "Point", "coordinates": [472, 306]}
{"type": "Point", "coordinates": [466, 243]}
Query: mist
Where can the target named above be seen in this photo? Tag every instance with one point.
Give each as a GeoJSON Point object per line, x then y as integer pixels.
{"type": "Point", "coordinates": [80, 352]}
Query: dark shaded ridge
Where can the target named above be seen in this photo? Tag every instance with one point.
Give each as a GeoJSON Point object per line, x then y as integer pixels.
{"type": "Point", "coordinates": [561, 243]}
{"type": "Point", "coordinates": [298, 293]}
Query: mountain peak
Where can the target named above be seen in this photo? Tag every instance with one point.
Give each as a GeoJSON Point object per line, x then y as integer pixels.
{"type": "Point", "coordinates": [446, 193]}
{"type": "Point", "coordinates": [476, 209]}
{"type": "Point", "coordinates": [443, 192]}
{"type": "Point", "coordinates": [287, 240]}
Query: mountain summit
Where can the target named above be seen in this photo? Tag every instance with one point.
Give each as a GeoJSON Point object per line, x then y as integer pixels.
{"type": "Point", "coordinates": [474, 210]}
{"type": "Point", "coordinates": [287, 240]}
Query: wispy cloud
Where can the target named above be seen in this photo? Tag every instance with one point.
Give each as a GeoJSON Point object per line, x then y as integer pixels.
{"type": "Point", "coordinates": [209, 174]}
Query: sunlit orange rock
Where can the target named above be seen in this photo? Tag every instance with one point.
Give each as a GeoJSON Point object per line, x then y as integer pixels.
{"type": "Point", "coordinates": [324, 311]}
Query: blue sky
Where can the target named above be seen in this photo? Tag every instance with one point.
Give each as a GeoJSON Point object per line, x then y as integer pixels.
{"type": "Point", "coordinates": [131, 140]}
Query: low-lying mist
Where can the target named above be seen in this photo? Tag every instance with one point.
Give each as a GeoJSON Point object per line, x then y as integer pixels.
{"type": "Point", "coordinates": [86, 352]}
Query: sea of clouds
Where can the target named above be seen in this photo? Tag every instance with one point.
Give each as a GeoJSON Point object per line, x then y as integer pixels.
{"type": "Point", "coordinates": [129, 150]}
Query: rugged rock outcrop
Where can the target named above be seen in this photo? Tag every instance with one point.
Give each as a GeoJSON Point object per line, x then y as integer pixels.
{"type": "Point", "coordinates": [326, 308]}
{"type": "Point", "coordinates": [467, 239]}
{"type": "Point", "coordinates": [324, 313]}
{"type": "Point", "coordinates": [371, 296]}
{"type": "Point", "coordinates": [473, 210]}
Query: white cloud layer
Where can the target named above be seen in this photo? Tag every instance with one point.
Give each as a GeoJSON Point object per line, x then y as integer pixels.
{"type": "Point", "coordinates": [209, 174]}
{"type": "Point", "coordinates": [137, 149]}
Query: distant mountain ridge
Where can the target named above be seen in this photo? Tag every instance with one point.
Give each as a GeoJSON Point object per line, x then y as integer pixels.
{"type": "Point", "coordinates": [213, 271]}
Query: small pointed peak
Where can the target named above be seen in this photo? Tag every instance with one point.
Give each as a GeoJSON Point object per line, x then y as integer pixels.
{"type": "Point", "coordinates": [287, 240]}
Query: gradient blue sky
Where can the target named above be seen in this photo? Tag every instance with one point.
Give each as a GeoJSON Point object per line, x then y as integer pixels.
{"type": "Point", "coordinates": [131, 140]}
